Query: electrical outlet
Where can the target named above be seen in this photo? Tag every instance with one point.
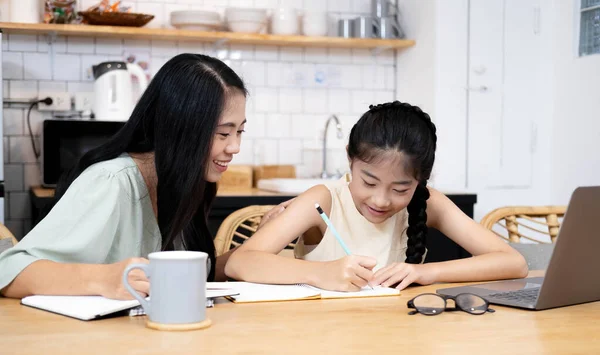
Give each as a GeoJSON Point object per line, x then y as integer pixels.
{"type": "Point", "coordinates": [61, 101]}
{"type": "Point", "coordinates": [84, 101]}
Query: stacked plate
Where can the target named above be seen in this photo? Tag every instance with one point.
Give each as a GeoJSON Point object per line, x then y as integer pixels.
{"type": "Point", "coordinates": [196, 20]}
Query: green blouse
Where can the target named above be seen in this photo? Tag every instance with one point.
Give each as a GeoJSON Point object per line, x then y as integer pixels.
{"type": "Point", "coordinates": [104, 217]}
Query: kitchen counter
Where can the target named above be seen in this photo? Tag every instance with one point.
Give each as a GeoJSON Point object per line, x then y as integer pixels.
{"type": "Point", "coordinates": [43, 192]}
{"type": "Point", "coordinates": [228, 200]}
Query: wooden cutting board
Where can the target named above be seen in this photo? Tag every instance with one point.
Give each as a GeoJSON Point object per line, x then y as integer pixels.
{"type": "Point", "coordinates": [236, 177]}
{"type": "Point", "coordinates": [273, 171]}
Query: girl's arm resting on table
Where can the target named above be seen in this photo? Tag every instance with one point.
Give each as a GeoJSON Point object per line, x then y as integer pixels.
{"type": "Point", "coordinates": [45, 277]}
{"type": "Point", "coordinates": [256, 259]}
{"type": "Point", "coordinates": [492, 257]}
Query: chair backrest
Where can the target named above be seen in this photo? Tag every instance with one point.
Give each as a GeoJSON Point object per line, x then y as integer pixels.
{"type": "Point", "coordinates": [241, 225]}
{"type": "Point", "coordinates": [6, 234]}
{"type": "Point", "coordinates": [534, 223]}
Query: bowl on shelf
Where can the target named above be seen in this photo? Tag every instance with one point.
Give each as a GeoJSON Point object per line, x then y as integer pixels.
{"type": "Point", "coordinates": [246, 14]}
{"type": "Point", "coordinates": [246, 26]}
{"type": "Point", "coordinates": [246, 20]}
{"type": "Point", "coordinates": [196, 20]}
{"type": "Point", "coordinates": [128, 19]}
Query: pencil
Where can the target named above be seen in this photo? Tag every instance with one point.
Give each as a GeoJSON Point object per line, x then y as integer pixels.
{"type": "Point", "coordinates": [334, 231]}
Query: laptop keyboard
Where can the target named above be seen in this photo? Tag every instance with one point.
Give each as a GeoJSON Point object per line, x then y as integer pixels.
{"type": "Point", "coordinates": [528, 295]}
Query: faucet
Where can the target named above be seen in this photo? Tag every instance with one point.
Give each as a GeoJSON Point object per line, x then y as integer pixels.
{"type": "Point", "coordinates": [340, 135]}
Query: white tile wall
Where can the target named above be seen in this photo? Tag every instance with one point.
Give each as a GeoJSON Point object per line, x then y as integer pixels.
{"type": "Point", "coordinates": [14, 180]}
{"type": "Point", "coordinates": [52, 86]}
{"type": "Point", "coordinates": [13, 122]}
{"type": "Point", "coordinates": [19, 205]}
{"type": "Point", "coordinates": [80, 45]}
{"type": "Point", "coordinates": [22, 43]}
{"type": "Point", "coordinates": [292, 90]}
{"type": "Point", "coordinates": [12, 65]}
{"type": "Point", "coordinates": [37, 66]}
{"type": "Point", "coordinates": [67, 67]}
{"type": "Point", "coordinates": [59, 44]}
{"type": "Point", "coordinates": [109, 46]}
{"type": "Point", "coordinates": [21, 150]}
{"type": "Point", "coordinates": [256, 126]}
{"type": "Point", "coordinates": [278, 125]}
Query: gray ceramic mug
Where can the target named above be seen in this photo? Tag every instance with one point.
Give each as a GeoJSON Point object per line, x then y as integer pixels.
{"type": "Point", "coordinates": [177, 286]}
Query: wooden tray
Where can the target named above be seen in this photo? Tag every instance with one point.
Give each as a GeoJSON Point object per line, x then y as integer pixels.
{"type": "Point", "coordinates": [236, 177]}
{"type": "Point", "coordinates": [273, 171]}
{"type": "Point", "coordinates": [115, 18]}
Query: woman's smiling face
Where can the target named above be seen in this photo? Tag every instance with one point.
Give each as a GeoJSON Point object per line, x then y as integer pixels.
{"type": "Point", "coordinates": [228, 136]}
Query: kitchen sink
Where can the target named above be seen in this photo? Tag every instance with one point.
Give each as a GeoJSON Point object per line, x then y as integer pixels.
{"type": "Point", "coordinates": [291, 186]}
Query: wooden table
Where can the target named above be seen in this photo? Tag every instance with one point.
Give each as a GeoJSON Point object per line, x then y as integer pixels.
{"type": "Point", "coordinates": [362, 326]}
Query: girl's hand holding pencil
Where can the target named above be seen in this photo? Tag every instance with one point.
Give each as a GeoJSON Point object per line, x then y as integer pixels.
{"type": "Point", "coordinates": [350, 273]}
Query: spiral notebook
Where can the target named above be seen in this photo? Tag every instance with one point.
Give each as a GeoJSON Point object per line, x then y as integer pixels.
{"type": "Point", "coordinates": [98, 307]}
{"type": "Point", "coordinates": [249, 292]}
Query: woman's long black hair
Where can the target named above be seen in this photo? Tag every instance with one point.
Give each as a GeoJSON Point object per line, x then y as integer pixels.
{"type": "Point", "coordinates": [175, 118]}
{"type": "Point", "coordinates": [407, 129]}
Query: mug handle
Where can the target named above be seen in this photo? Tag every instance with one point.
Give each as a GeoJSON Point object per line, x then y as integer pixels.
{"type": "Point", "coordinates": [398, 29]}
{"type": "Point", "coordinates": [377, 28]}
{"type": "Point", "coordinates": [146, 269]}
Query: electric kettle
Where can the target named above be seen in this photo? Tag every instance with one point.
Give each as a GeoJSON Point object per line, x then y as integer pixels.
{"type": "Point", "coordinates": [113, 90]}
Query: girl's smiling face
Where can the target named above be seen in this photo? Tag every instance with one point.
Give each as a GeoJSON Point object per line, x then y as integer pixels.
{"type": "Point", "coordinates": [382, 187]}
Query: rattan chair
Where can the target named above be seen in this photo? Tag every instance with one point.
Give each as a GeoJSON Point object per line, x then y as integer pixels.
{"type": "Point", "coordinates": [6, 234]}
{"type": "Point", "coordinates": [537, 225]}
{"type": "Point", "coordinates": [241, 225]}
{"type": "Point", "coordinates": [531, 223]}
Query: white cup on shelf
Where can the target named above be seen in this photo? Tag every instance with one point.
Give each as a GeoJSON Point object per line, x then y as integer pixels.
{"type": "Point", "coordinates": [25, 11]}
{"type": "Point", "coordinates": [315, 23]}
{"type": "Point", "coordinates": [284, 21]}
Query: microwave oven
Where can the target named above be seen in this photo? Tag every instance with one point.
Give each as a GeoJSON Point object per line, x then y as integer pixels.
{"type": "Point", "coordinates": [65, 141]}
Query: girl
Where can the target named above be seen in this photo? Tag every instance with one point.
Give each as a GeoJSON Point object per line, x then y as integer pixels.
{"type": "Point", "coordinates": [149, 188]}
{"type": "Point", "coordinates": [382, 212]}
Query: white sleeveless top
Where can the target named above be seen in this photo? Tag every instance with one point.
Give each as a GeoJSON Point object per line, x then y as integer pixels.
{"type": "Point", "coordinates": [385, 241]}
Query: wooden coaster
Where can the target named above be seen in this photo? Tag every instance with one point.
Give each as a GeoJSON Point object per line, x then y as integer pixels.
{"type": "Point", "coordinates": [179, 327]}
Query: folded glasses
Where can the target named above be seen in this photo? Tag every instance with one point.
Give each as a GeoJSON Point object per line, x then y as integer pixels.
{"type": "Point", "coordinates": [431, 304]}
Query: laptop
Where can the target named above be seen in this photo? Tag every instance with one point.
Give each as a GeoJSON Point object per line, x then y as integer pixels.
{"type": "Point", "coordinates": [571, 277]}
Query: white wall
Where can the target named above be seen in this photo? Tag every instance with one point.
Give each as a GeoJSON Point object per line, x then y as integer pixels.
{"type": "Point", "coordinates": [568, 123]}
{"type": "Point", "coordinates": [576, 134]}
{"type": "Point", "coordinates": [433, 75]}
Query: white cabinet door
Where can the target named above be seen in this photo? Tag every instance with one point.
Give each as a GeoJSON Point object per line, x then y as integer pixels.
{"type": "Point", "coordinates": [504, 85]}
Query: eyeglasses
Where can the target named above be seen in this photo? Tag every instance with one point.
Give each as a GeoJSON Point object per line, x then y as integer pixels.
{"type": "Point", "coordinates": [431, 304]}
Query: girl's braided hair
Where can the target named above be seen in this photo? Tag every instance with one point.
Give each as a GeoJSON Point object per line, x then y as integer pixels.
{"type": "Point", "coordinates": [404, 128]}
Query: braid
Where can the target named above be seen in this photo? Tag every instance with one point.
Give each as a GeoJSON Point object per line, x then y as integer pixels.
{"type": "Point", "coordinates": [417, 225]}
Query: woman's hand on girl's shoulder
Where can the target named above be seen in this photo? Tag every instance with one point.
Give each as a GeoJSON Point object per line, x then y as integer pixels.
{"type": "Point", "coordinates": [111, 284]}
{"type": "Point", "coordinates": [274, 212]}
{"type": "Point", "coordinates": [404, 274]}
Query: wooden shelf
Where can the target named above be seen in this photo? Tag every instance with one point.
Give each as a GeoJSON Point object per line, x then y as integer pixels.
{"type": "Point", "coordinates": [184, 35]}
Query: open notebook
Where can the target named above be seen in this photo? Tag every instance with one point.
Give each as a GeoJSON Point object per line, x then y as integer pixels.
{"type": "Point", "coordinates": [97, 307]}
{"type": "Point", "coordinates": [252, 292]}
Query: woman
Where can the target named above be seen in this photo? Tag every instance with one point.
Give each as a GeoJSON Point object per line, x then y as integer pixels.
{"type": "Point", "coordinates": [149, 188]}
